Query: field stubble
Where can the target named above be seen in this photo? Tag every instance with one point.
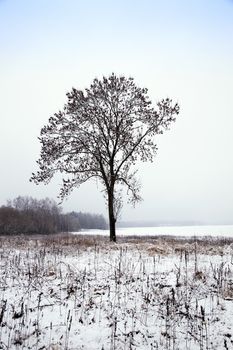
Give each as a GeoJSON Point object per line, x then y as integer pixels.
{"type": "Point", "coordinates": [81, 292]}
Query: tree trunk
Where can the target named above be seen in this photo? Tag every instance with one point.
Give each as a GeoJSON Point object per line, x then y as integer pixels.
{"type": "Point", "coordinates": [112, 220]}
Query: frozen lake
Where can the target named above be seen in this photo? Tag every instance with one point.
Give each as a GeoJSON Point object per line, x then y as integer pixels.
{"type": "Point", "coordinates": [214, 230]}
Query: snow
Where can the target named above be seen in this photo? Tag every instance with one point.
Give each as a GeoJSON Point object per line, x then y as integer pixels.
{"type": "Point", "coordinates": [69, 295]}
{"type": "Point", "coordinates": [185, 231]}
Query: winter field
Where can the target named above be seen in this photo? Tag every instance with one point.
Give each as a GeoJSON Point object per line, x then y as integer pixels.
{"type": "Point", "coordinates": [81, 292]}
{"type": "Point", "coordinates": [181, 231]}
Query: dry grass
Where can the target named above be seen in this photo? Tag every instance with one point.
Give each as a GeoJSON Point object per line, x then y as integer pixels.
{"type": "Point", "coordinates": [141, 293]}
{"type": "Point", "coordinates": [152, 244]}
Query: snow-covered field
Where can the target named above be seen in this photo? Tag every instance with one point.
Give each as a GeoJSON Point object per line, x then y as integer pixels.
{"type": "Point", "coordinates": [81, 292]}
{"type": "Point", "coordinates": [185, 231]}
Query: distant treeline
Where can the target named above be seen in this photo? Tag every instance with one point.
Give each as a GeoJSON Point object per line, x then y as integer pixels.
{"type": "Point", "coordinates": [27, 215]}
{"type": "Point", "coordinates": [77, 221]}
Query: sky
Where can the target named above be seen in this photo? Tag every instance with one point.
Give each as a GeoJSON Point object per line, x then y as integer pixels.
{"type": "Point", "coordinates": [176, 48]}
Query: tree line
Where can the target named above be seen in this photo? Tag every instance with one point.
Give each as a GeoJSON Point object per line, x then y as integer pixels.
{"type": "Point", "coordinates": [27, 215]}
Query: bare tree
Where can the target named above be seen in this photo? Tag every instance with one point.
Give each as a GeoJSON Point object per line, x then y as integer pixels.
{"type": "Point", "coordinates": [101, 133]}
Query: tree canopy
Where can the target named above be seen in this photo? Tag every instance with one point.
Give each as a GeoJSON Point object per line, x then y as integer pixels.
{"type": "Point", "coordinates": [101, 133]}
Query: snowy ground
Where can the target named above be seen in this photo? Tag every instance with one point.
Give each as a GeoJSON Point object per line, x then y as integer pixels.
{"type": "Point", "coordinates": [81, 292]}
{"type": "Point", "coordinates": [184, 231]}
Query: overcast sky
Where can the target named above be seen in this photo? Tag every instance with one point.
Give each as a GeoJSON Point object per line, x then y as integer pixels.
{"type": "Point", "coordinates": [176, 48]}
